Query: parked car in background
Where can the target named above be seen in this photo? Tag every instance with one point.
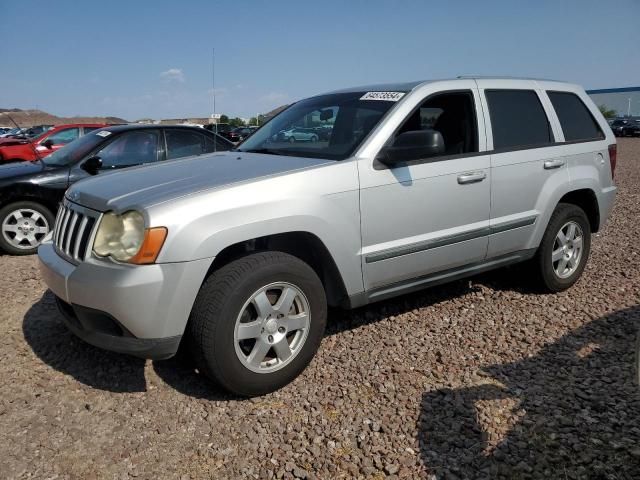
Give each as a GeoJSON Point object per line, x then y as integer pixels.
{"type": "Point", "coordinates": [625, 127]}
{"type": "Point", "coordinates": [630, 129]}
{"type": "Point", "coordinates": [239, 134]}
{"type": "Point", "coordinates": [297, 134]}
{"type": "Point", "coordinates": [241, 253]}
{"type": "Point", "coordinates": [12, 131]}
{"type": "Point", "coordinates": [31, 191]}
{"type": "Point", "coordinates": [20, 149]}
{"type": "Point", "coordinates": [324, 132]}
{"type": "Point", "coordinates": [36, 130]}
{"type": "Point", "coordinates": [4, 130]}
{"type": "Point", "coordinates": [219, 128]}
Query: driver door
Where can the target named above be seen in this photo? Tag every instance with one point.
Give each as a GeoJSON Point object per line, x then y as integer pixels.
{"type": "Point", "coordinates": [431, 214]}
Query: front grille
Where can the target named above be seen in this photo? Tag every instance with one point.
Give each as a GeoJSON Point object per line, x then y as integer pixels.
{"type": "Point", "coordinates": [72, 231]}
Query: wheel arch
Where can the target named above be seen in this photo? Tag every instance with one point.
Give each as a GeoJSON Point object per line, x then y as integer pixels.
{"type": "Point", "coordinates": [301, 244]}
{"type": "Point", "coordinates": [12, 196]}
{"type": "Point", "coordinates": [586, 199]}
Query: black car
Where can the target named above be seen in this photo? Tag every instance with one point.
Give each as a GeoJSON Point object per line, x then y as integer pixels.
{"type": "Point", "coordinates": [31, 191]}
{"type": "Point", "coordinates": [625, 128]}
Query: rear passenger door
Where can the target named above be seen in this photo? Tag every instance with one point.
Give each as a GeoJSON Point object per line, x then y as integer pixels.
{"type": "Point", "coordinates": [181, 142]}
{"type": "Point", "coordinates": [526, 163]}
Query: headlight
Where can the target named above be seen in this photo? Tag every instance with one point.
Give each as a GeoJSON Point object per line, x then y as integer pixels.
{"type": "Point", "coordinates": [119, 236]}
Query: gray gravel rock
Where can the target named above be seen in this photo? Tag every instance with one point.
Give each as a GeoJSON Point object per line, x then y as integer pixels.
{"type": "Point", "coordinates": [482, 378]}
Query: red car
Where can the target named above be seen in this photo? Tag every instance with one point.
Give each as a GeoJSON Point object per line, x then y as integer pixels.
{"type": "Point", "coordinates": [19, 149]}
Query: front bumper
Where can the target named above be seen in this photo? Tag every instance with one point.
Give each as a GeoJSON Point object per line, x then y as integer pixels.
{"type": "Point", "coordinates": [140, 310]}
{"type": "Point", "coordinates": [103, 331]}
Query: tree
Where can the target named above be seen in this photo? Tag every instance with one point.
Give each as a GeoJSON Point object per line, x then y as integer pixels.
{"type": "Point", "coordinates": [253, 121]}
{"type": "Point", "coordinates": [236, 122]}
{"type": "Point", "coordinates": [606, 112]}
{"type": "Point", "coordinates": [223, 119]}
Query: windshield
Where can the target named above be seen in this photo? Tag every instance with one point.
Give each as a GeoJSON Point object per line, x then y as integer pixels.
{"type": "Point", "coordinates": [328, 126]}
{"type": "Point", "coordinates": [77, 149]}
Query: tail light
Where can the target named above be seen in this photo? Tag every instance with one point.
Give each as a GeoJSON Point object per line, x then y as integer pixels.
{"type": "Point", "coordinates": [613, 158]}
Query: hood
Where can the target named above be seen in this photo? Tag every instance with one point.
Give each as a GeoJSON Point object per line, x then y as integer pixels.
{"type": "Point", "coordinates": [19, 169]}
{"type": "Point", "coordinates": [151, 184]}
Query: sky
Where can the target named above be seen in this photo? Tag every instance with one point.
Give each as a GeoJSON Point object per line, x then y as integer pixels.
{"type": "Point", "coordinates": [153, 59]}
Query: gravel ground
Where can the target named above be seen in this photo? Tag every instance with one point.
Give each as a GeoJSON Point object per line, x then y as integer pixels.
{"type": "Point", "coordinates": [477, 379]}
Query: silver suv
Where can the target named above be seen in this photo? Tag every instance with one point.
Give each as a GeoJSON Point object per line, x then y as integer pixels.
{"type": "Point", "coordinates": [236, 255]}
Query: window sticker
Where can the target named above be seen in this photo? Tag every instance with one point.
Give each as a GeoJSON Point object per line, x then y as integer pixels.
{"type": "Point", "coordinates": [104, 133]}
{"type": "Point", "coordinates": [384, 96]}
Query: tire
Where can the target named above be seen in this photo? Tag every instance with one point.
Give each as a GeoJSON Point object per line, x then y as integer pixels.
{"type": "Point", "coordinates": [314, 139]}
{"type": "Point", "coordinates": [292, 140]}
{"type": "Point", "coordinates": [552, 277]}
{"type": "Point", "coordinates": [224, 305]}
{"type": "Point", "coordinates": [38, 221]}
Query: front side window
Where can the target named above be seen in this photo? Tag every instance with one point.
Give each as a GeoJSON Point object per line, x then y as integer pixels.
{"type": "Point", "coordinates": [64, 136]}
{"type": "Point", "coordinates": [328, 126]}
{"type": "Point", "coordinates": [452, 114]}
{"type": "Point", "coordinates": [131, 148]}
{"type": "Point", "coordinates": [575, 119]}
{"type": "Point", "coordinates": [183, 143]}
{"type": "Point", "coordinates": [518, 119]}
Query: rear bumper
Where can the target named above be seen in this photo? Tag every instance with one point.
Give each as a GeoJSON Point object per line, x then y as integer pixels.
{"type": "Point", "coordinates": [606, 200]}
{"type": "Point", "coordinates": [103, 331]}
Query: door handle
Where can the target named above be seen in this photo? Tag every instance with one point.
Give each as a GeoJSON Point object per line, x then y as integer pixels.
{"type": "Point", "coordinates": [551, 164]}
{"type": "Point", "coordinates": [471, 177]}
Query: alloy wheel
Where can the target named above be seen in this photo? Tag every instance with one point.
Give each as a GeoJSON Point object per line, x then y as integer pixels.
{"type": "Point", "coordinates": [272, 327]}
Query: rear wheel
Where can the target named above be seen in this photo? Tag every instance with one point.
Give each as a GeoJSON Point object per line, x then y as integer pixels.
{"type": "Point", "coordinates": [257, 322]}
{"type": "Point", "coordinates": [23, 225]}
{"type": "Point", "coordinates": [564, 249]}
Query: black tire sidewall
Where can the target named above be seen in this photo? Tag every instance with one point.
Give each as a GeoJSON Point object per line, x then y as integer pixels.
{"type": "Point", "coordinates": [563, 214]}
{"type": "Point", "coordinates": [4, 211]}
{"type": "Point", "coordinates": [220, 356]}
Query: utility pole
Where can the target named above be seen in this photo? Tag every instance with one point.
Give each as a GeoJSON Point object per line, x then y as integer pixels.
{"type": "Point", "coordinates": [629, 108]}
{"type": "Point", "coordinates": [213, 85]}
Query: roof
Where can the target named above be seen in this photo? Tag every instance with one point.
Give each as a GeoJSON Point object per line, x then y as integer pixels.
{"type": "Point", "coordinates": [138, 126]}
{"type": "Point", "coordinates": [408, 86]}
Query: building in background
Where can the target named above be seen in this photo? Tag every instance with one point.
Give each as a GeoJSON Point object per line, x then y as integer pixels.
{"type": "Point", "coordinates": [625, 101]}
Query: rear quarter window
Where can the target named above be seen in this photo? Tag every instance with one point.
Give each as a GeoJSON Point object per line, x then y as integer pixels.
{"type": "Point", "coordinates": [518, 119]}
{"type": "Point", "coordinates": [575, 118]}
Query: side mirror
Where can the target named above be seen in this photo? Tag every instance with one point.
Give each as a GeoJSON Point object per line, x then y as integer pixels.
{"type": "Point", "coordinates": [413, 145]}
{"type": "Point", "coordinates": [48, 143]}
{"type": "Point", "coordinates": [92, 164]}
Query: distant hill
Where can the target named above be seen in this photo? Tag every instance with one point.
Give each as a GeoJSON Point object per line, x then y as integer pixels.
{"type": "Point", "coordinates": [29, 118]}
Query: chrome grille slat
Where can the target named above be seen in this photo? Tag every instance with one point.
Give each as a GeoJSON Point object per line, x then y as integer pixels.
{"type": "Point", "coordinates": [76, 247]}
{"type": "Point", "coordinates": [56, 224]}
{"type": "Point", "coordinates": [70, 231]}
{"type": "Point", "coordinates": [63, 230]}
{"type": "Point", "coordinates": [73, 231]}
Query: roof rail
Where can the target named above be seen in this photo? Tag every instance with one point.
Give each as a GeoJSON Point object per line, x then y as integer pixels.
{"type": "Point", "coordinates": [506, 77]}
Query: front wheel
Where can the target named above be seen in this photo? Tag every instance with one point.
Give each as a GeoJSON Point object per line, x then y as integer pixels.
{"type": "Point", "coordinates": [565, 247]}
{"type": "Point", "coordinates": [257, 322]}
{"type": "Point", "coordinates": [23, 225]}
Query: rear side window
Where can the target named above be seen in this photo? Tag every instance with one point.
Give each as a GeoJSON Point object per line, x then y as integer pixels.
{"type": "Point", "coordinates": [183, 143]}
{"type": "Point", "coordinates": [518, 119]}
{"type": "Point", "coordinates": [575, 118]}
